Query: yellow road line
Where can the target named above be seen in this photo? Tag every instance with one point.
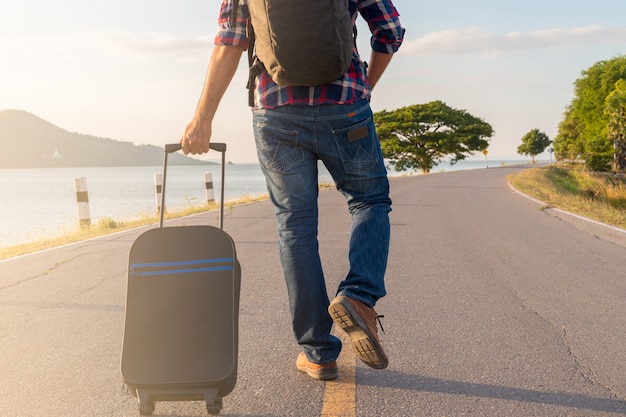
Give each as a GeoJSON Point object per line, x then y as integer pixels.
{"type": "Point", "coordinates": [340, 394]}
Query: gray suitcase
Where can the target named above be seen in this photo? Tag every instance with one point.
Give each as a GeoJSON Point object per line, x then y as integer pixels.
{"type": "Point", "coordinates": [182, 311]}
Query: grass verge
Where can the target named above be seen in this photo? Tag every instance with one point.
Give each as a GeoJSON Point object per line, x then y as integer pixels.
{"type": "Point", "coordinates": [108, 225]}
{"type": "Point", "coordinates": [598, 196]}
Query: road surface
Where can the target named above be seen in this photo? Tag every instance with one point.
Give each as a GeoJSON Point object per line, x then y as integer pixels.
{"type": "Point", "coordinates": [496, 306]}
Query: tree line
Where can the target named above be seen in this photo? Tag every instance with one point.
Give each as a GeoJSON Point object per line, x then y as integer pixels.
{"type": "Point", "coordinates": [594, 124]}
{"type": "Point", "coordinates": [593, 128]}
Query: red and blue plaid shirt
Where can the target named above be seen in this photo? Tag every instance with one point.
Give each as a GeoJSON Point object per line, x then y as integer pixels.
{"type": "Point", "coordinates": [387, 35]}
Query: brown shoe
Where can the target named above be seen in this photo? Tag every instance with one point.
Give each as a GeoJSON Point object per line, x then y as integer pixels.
{"type": "Point", "coordinates": [324, 372]}
{"type": "Point", "coordinates": [359, 321]}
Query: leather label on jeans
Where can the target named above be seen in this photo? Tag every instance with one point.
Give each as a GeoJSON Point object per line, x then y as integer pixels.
{"type": "Point", "coordinates": [358, 133]}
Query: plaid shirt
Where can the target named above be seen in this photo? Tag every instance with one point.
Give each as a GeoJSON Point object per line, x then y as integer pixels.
{"type": "Point", "coordinates": [387, 35]}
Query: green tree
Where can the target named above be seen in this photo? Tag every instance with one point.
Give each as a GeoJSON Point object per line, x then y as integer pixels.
{"type": "Point", "coordinates": [423, 135]}
{"type": "Point", "coordinates": [616, 110]}
{"type": "Point", "coordinates": [583, 131]}
{"type": "Point", "coordinates": [533, 143]}
{"type": "Point", "coordinates": [569, 141]}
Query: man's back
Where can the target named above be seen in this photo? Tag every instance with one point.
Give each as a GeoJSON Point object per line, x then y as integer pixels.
{"type": "Point", "coordinates": [353, 86]}
{"type": "Point", "coordinates": [304, 43]}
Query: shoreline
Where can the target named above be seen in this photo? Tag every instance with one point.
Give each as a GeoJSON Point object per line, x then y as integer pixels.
{"type": "Point", "coordinates": [110, 227]}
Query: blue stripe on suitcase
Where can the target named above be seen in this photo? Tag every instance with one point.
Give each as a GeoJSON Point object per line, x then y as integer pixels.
{"type": "Point", "coordinates": [165, 268]}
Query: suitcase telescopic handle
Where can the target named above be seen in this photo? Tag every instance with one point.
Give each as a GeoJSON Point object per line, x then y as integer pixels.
{"type": "Point", "coordinates": [175, 147]}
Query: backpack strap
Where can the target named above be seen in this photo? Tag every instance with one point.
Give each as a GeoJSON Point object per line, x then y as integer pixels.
{"type": "Point", "coordinates": [233, 13]}
{"type": "Point", "coordinates": [255, 66]}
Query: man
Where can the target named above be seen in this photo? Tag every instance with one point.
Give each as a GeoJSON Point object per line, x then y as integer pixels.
{"type": "Point", "coordinates": [294, 127]}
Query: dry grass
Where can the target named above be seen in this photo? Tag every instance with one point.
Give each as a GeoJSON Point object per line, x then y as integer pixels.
{"type": "Point", "coordinates": [599, 196]}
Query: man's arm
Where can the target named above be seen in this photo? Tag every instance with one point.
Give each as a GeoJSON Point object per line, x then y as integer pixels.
{"type": "Point", "coordinates": [387, 35]}
{"type": "Point", "coordinates": [376, 66]}
{"type": "Point", "coordinates": [222, 66]}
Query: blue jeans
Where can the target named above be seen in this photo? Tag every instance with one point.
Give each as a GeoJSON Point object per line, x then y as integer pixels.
{"type": "Point", "coordinates": [290, 140]}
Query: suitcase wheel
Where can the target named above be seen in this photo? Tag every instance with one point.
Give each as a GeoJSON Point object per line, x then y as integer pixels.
{"type": "Point", "coordinates": [146, 403]}
{"type": "Point", "coordinates": [146, 408]}
{"type": "Point", "coordinates": [214, 408]}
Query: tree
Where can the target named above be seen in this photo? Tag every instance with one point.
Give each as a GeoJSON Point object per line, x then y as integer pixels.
{"type": "Point", "coordinates": [616, 110]}
{"type": "Point", "coordinates": [533, 143]}
{"type": "Point", "coordinates": [583, 131]}
{"type": "Point", "coordinates": [423, 135]}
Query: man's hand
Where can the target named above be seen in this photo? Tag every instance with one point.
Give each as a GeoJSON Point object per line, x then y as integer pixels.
{"type": "Point", "coordinates": [197, 136]}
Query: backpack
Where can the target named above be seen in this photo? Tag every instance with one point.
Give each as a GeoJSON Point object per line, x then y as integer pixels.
{"type": "Point", "coordinates": [300, 42]}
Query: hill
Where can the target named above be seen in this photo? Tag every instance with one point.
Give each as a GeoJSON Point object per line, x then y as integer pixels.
{"type": "Point", "coordinates": [30, 142]}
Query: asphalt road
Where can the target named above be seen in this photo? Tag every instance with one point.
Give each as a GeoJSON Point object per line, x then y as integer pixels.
{"type": "Point", "coordinates": [496, 306]}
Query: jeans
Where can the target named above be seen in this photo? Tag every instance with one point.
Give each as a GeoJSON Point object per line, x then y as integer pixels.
{"type": "Point", "coordinates": [290, 140]}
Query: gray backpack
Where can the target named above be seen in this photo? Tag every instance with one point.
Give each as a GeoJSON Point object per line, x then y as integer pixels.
{"type": "Point", "coordinates": [300, 42]}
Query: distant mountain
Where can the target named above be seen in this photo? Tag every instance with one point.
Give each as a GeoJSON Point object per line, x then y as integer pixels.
{"type": "Point", "coordinates": [26, 141]}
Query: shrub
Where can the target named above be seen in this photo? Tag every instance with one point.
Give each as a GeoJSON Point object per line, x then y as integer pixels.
{"type": "Point", "coordinates": [599, 163]}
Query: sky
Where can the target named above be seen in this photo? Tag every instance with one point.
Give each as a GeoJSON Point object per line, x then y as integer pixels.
{"type": "Point", "coordinates": [134, 70]}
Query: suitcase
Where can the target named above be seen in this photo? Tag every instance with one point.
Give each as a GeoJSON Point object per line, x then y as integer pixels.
{"type": "Point", "coordinates": [182, 310]}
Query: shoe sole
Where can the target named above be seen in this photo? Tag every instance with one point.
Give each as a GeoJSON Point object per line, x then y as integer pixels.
{"type": "Point", "coordinates": [363, 343]}
{"type": "Point", "coordinates": [324, 374]}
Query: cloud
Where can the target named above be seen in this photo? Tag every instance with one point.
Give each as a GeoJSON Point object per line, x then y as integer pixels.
{"type": "Point", "coordinates": [478, 41]}
{"type": "Point", "coordinates": [100, 42]}
{"type": "Point", "coordinates": [84, 52]}
{"type": "Point", "coordinates": [163, 43]}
